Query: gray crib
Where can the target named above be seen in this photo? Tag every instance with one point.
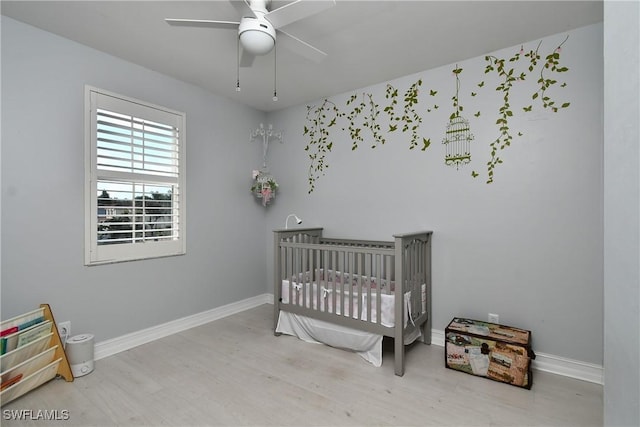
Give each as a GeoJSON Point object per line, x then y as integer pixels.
{"type": "Point", "coordinates": [356, 283]}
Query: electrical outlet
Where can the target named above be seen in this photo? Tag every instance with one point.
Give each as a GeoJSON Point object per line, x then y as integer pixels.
{"type": "Point", "coordinates": [64, 329]}
{"type": "Point", "coordinates": [494, 318]}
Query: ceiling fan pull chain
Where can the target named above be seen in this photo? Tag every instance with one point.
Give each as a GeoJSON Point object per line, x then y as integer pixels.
{"type": "Point", "coordinates": [238, 64]}
{"type": "Point", "coordinates": [275, 72]}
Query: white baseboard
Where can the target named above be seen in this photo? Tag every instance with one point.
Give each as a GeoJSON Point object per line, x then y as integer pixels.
{"type": "Point", "coordinates": [134, 339]}
{"type": "Point", "coordinates": [543, 362]}
{"type": "Point", "coordinates": [569, 368]}
{"type": "Point", "coordinates": [437, 337]}
{"type": "Point", "coordinates": [549, 363]}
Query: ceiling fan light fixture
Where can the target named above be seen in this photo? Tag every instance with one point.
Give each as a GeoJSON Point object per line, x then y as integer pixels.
{"type": "Point", "coordinates": [257, 42]}
{"type": "Point", "coordinates": [257, 35]}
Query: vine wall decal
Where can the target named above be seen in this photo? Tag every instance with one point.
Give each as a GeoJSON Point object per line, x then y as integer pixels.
{"type": "Point", "coordinates": [508, 76]}
{"type": "Point", "coordinates": [364, 115]}
{"type": "Point", "coordinates": [364, 119]}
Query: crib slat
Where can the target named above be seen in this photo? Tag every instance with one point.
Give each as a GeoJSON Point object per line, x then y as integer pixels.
{"type": "Point", "coordinates": [347, 283]}
{"type": "Point", "coordinates": [292, 272]}
{"type": "Point", "coordinates": [416, 278]}
{"type": "Point", "coordinates": [309, 267]}
{"type": "Point", "coordinates": [368, 283]}
{"type": "Point", "coordinates": [332, 286]}
{"type": "Point", "coordinates": [376, 268]}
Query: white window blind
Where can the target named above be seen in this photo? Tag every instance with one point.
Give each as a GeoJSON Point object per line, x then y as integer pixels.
{"type": "Point", "coordinates": [136, 179]}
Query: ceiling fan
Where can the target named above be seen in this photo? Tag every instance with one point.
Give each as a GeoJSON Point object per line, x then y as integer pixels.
{"type": "Point", "coordinates": [258, 27]}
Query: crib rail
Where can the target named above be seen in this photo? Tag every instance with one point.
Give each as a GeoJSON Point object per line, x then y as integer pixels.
{"type": "Point", "coordinates": [357, 243]}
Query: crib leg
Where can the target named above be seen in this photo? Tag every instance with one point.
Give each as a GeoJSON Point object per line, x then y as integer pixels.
{"type": "Point", "coordinates": [398, 352]}
{"type": "Point", "coordinates": [276, 314]}
{"type": "Point", "coordinates": [426, 330]}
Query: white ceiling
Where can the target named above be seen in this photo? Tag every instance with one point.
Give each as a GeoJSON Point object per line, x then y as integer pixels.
{"type": "Point", "coordinates": [367, 42]}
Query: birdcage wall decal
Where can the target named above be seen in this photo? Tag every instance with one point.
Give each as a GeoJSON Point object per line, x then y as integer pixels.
{"type": "Point", "coordinates": [457, 142]}
{"type": "Point", "coordinates": [458, 137]}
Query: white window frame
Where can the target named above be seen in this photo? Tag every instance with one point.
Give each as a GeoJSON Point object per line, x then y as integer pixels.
{"type": "Point", "coordinates": [95, 253]}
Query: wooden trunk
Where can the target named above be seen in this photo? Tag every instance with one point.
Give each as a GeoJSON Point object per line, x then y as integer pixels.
{"type": "Point", "coordinates": [501, 353]}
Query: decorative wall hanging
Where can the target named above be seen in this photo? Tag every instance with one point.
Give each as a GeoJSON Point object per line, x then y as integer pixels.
{"type": "Point", "coordinates": [457, 142]}
{"type": "Point", "coordinates": [508, 75]}
{"type": "Point", "coordinates": [264, 184]}
{"type": "Point", "coordinates": [363, 115]}
{"type": "Point", "coordinates": [458, 137]}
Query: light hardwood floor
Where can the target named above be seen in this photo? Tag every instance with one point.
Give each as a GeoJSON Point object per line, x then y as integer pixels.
{"type": "Point", "coordinates": [234, 371]}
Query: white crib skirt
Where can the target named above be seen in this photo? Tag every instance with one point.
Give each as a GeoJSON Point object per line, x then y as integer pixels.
{"type": "Point", "coordinates": [366, 344]}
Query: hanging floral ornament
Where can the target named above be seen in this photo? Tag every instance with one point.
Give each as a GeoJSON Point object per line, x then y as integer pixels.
{"type": "Point", "coordinates": [264, 184]}
{"type": "Point", "coordinates": [458, 137]}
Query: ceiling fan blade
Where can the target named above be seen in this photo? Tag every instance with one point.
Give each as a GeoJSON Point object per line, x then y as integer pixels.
{"type": "Point", "coordinates": [297, 10]}
{"type": "Point", "coordinates": [202, 23]}
{"type": "Point", "coordinates": [246, 58]}
{"type": "Point", "coordinates": [243, 7]}
{"type": "Point", "coordinates": [300, 47]}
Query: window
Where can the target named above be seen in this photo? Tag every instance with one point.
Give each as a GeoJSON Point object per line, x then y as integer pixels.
{"type": "Point", "coordinates": [135, 179]}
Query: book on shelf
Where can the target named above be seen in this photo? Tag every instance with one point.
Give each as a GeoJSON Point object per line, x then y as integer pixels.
{"type": "Point", "coordinates": [22, 321]}
{"type": "Point", "coordinates": [27, 367]}
{"type": "Point", "coordinates": [25, 352]}
{"type": "Point", "coordinates": [11, 381]}
{"type": "Point", "coordinates": [25, 336]}
{"type": "Point", "coordinates": [32, 334]}
{"type": "Point", "coordinates": [11, 328]}
{"type": "Point", "coordinates": [30, 382]}
{"type": "Point", "coordinates": [9, 331]}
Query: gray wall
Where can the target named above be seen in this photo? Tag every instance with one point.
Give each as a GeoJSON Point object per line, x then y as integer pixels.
{"type": "Point", "coordinates": [43, 78]}
{"type": "Point", "coordinates": [622, 215]}
{"type": "Point", "coordinates": [529, 246]}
